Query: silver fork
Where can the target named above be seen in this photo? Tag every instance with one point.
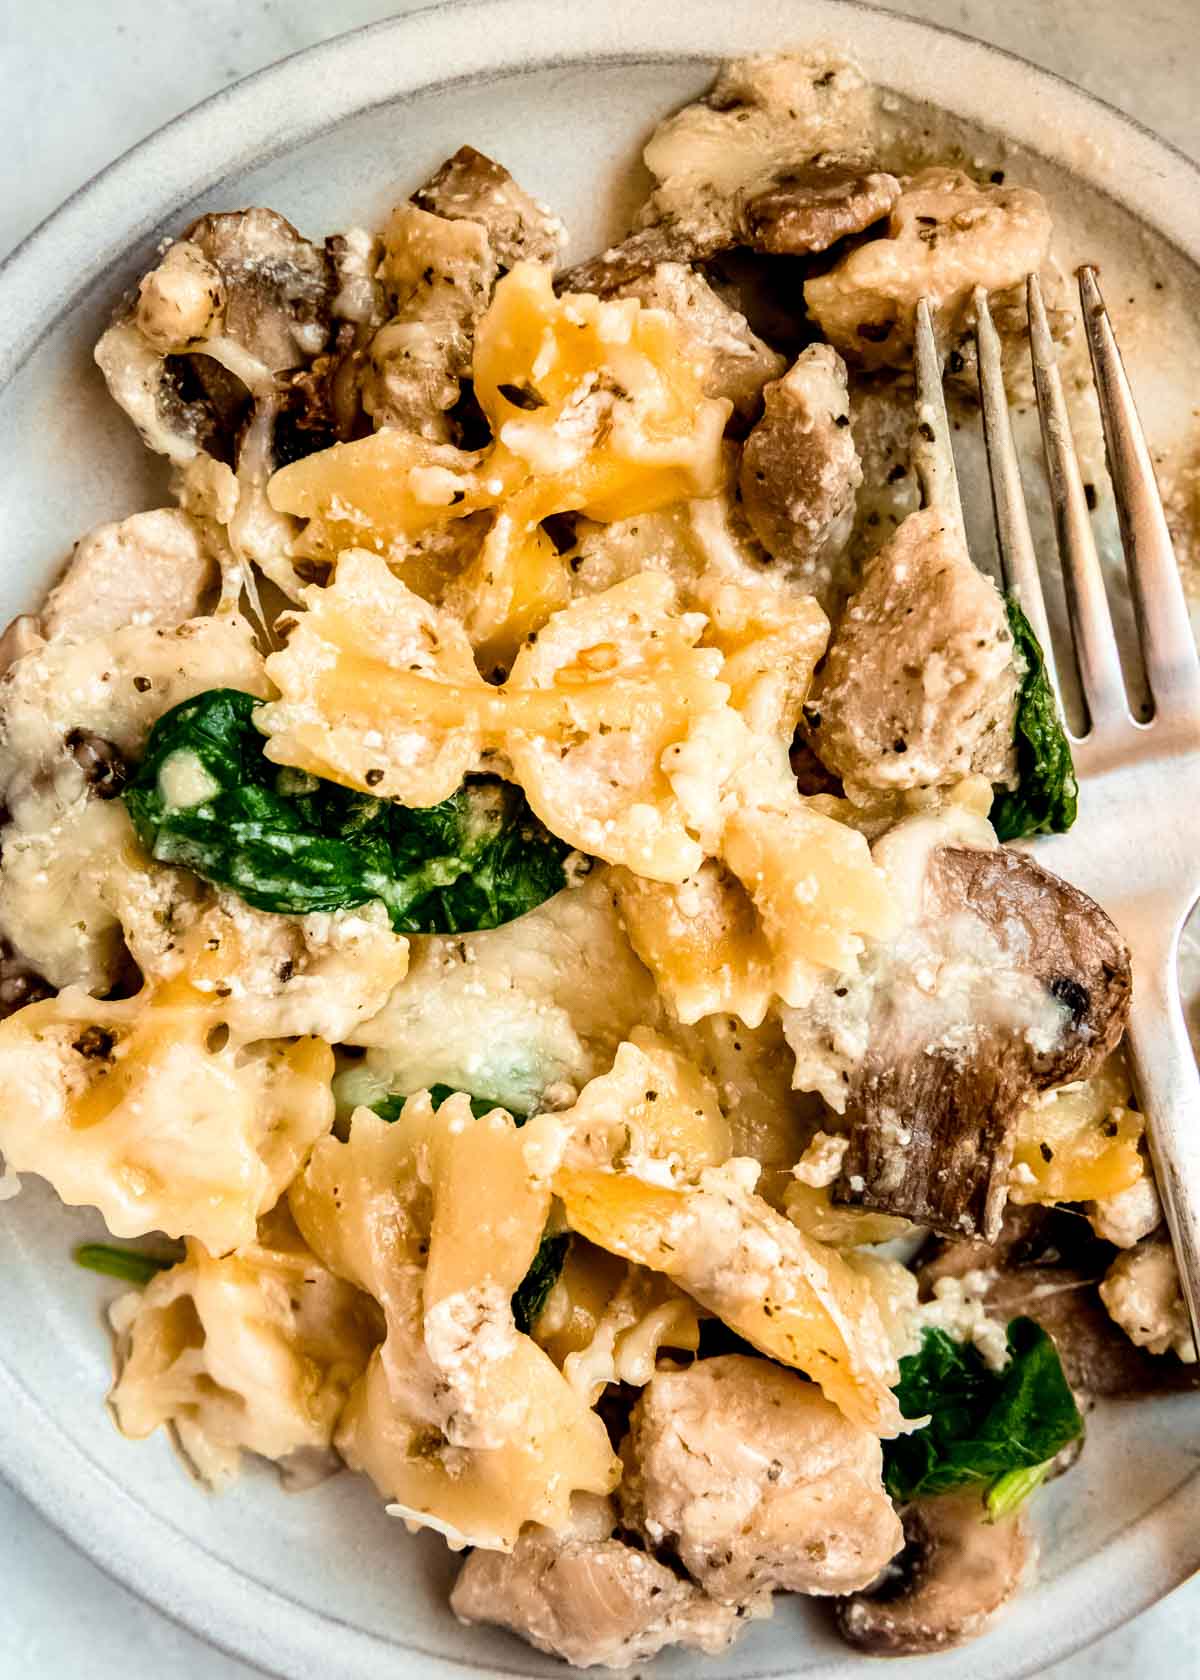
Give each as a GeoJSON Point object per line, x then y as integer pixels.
{"type": "Point", "coordinates": [1136, 845]}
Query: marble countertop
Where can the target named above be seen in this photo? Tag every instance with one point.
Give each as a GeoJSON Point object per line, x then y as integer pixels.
{"type": "Point", "coordinates": [82, 82]}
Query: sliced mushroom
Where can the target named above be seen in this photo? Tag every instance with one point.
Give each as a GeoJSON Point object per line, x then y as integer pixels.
{"type": "Point", "coordinates": [772, 158]}
{"type": "Point", "coordinates": [800, 469]}
{"type": "Point", "coordinates": [205, 360]}
{"type": "Point", "coordinates": [919, 687]}
{"type": "Point", "coordinates": [278, 286]}
{"type": "Point", "coordinates": [472, 187]}
{"type": "Point", "coordinates": [636, 256]}
{"type": "Point", "coordinates": [1013, 982]}
{"type": "Point", "coordinates": [955, 1572]}
{"type": "Point", "coordinates": [811, 207]}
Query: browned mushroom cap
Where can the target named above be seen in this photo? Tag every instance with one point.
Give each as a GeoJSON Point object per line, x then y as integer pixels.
{"type": "Point", "coordinates": [811, 207]}
{"type": "Point", "coordinates": [278, 285]}
{"type": "Point", "coordinates": [805, 209]}
{"type": "Point", "coordinates": [473, 187]}
{"type": "Point", "coordinates": [639, 255]}
{"type": "Point", "coordinates": [932, 1116]}
{"type": "Point", "coordinates": [955, 1572]}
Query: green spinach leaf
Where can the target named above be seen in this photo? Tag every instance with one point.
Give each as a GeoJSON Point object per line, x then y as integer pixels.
{"type": "Point", "coordinates": [390, 1107]}
{"type": "Point", "coordinates": [999, 1429]}
{"type": "Point", "coordinates": [206, 797]}
{"type": "Point", "coordinates": [534, 1289]}
{"type": "Point", "coordinates": [1046, 797]}
{"type": "Point", "coordinates": [131, 1265]}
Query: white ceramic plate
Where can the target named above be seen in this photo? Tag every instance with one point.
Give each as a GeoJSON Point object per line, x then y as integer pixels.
{"type": "Point", "coordinates": [563, 94]}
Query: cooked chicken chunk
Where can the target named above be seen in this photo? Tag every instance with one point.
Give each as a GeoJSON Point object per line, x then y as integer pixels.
{"type": "Point", "coordinates": [756, 1482]}
{"type": "Point", "coordinates": [155, 568]}
{"type": "Point", "coordinates": [739, 363]}
{"type": "Point", "coordinates": [800, 469]}
{"type": "Point", "coordinates": [1005, 981]}
{"type": "Point", "coordinates": [593, 1602]}
{"type": "Point", "coordinates": [919, 687]}
{"type": "Point", "coordinates": [1127, 1216]}
{"type": "Point", "coordinates": [945, 236]}
{"type": "Point", "coordinates": [1142, 1294]}
{"type": "Point", "coordinates": [472, 187]}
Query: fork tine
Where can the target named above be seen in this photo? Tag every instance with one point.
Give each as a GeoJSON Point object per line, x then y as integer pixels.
{"type": "Point", "coordinates": [933, 453]}
{"type": "Point", "coordinates": [1018, 557]}
{"type": "Point", "coordinates": [1087, 605]}
{"type": "Point", "coordinates": [1168, 648]}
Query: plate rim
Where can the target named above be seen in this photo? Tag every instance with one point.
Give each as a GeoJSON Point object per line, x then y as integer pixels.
{"type": "Point", "coordinates": [191, 155]}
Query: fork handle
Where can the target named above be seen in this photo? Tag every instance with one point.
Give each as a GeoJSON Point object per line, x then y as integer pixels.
{"type": "Point", "coordinates": [1167, 1082]}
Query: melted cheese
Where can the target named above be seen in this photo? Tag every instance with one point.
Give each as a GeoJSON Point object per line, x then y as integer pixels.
{"type": "Point", "coordinates": [153, 1111]}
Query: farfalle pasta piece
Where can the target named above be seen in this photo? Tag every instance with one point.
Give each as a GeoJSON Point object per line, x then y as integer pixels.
{"type": "Point", "coordinates": [378, 690]}
{"type": "Point", "coordinates": [702, 941]}
{"type": "Point", "coordinates": [382, 492]}
{"type": "Point", "coordinates": [462, 1421]}
{"type": "Point", "coordinates": [590, 709]}
{"type": "Point", "coordinates": [772, 640]}
{"type": "Point", "coordinates": [818, 895]}
{"type": "Point", "coordinates": [1080, 1142]}
{"type": "Point", "coordinates": [597, 396]}
{"type": "Point", "coordinates": [255, 1352]}
{"type": "Point", "coordinates": [636, 685]}
{"type": "Point", "coordinates": [512, 1013]}
{"type": "Point", "coordinates": [515, 582]}
{"type": "Point", "coordinates": [792, 1298]}
{"type": "Point", "coordinates": [652, 1112]}
{"type": "Point", "coordinates": [645, 1314]}
{"type": "Point", "coordinates": [278, 976]}
{"type": "Point", "coordinates": [594, 406]}
{"type": "Point", "coordinates": [151, 1110]}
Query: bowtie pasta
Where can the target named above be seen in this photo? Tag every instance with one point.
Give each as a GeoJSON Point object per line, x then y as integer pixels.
{"type": "Point", "coordinates": [517, 983]}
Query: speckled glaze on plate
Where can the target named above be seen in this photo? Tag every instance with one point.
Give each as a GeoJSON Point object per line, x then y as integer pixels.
{"type": "Point", "coordinates": [563, 94]}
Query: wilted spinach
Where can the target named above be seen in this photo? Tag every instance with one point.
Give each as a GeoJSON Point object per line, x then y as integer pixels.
{"type": "Point", "coordinates": [289, 842]}
{"type": "Point", "coordinates": [131, 1265]}
{"type": "Point", "coordinates": [534, 1289]}
{"type": "Point", "coordinates": [999, 1429]}
{"type": "Point", "coordinates": [1046, 797]}
{"type": "Point", "coordinates": [392, 1106]}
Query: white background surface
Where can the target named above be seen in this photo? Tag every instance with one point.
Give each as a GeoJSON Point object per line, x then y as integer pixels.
{"type": "Point", "coordinates": [84, 79]}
